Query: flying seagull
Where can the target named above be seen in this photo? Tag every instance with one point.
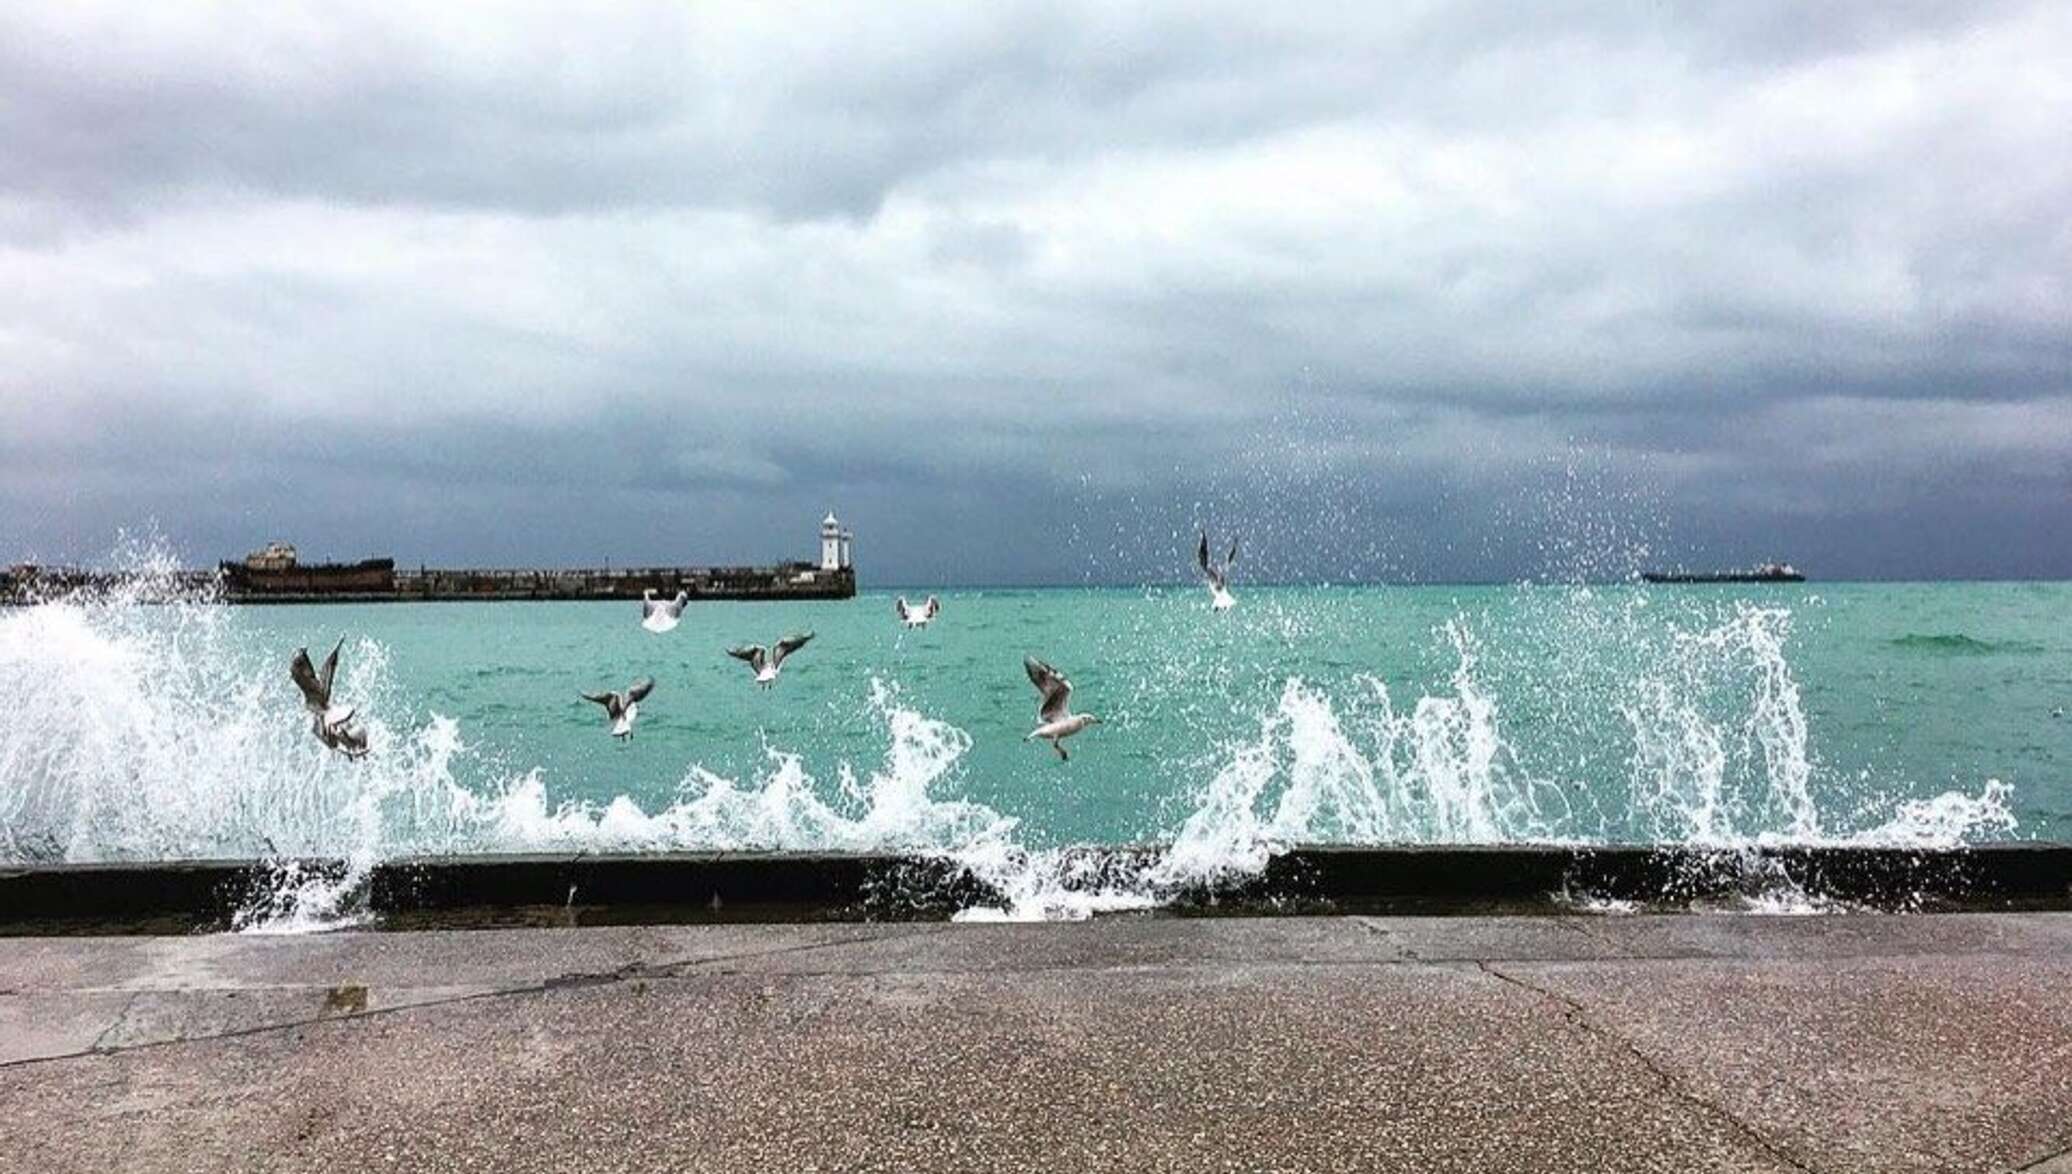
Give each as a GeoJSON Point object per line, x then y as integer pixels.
{"type": "Point", "coordinates": [1220, 598]}
{"type": "Point", "coordinates": [1055, 720]}
{"type": "Point", "coordinates": [917, 617]}
{"type": "Point", "coordinates": [331, 724]}
{"type": "Point", "coordinates": [660, 615]}
{"type": "Point", "coordinates": [622, 708]}
{"type": "Point", "coordinates": [768, 661]}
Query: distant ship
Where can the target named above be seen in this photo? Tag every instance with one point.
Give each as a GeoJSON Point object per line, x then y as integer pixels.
{"type": "Point", "coordinates": [275, 572]}
{"type": "Point", "coordinates": [1766, 573]}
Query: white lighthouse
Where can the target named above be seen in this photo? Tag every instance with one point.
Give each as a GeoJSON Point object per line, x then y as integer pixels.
{"type": "Point", "coordinates": [834, 543]}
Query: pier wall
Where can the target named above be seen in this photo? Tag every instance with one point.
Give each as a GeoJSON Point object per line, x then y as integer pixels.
{"type": "Point", "coordinates": [787, 581]}
{"type": "Point", "coordinates": [384, 584]}
{"type": "Point", "coordinates": [818, 886]}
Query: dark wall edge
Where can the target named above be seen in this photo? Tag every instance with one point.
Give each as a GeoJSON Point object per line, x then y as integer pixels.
{"type": "Point", "coordinates": [838, 885]}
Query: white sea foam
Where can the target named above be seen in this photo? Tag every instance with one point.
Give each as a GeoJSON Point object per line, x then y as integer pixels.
{"type": "Point", "coordinates": [1441, 773]}
{"type": "Point", "coordinates": [784, 809]}
{"type": "Point", "coordinates": [1721, 758]}
{"type": "Point", "coordinates": [1720, 751]}
{"type": "Point", "coordinates": [1943, 821]}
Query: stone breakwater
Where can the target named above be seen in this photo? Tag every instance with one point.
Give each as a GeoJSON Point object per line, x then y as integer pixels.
{"type": "Point", "coordinates": [379, 581]}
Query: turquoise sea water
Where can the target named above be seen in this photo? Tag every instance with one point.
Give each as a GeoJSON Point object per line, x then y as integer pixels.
{"type": "Point", "coordinates": [1894, 713]}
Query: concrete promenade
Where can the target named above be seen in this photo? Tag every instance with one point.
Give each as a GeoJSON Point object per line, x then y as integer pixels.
{"type": "Point", "coordinates": [1673, 1043]}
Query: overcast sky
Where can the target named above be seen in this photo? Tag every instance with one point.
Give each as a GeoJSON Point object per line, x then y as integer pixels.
{"type": "Point", "coordinates": [1425, 291]}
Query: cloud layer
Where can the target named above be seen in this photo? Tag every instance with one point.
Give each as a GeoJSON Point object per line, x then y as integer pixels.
{"type": "Point", "coordinates": [1027, 292]}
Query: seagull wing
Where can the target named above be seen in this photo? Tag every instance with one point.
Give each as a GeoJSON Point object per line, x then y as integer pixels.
{"type": "Point", "coordinates": [1230, 559]}
{"type": "Point", "coordinates": [1201, 555]}
{"type": "Point", "coordinates": [789, 645]}
{"type": "Point", "coordinates": [752, 653]}
{"type": "Point", "coordinates": [649, 605]}
{"type": "Point", "coordinates": [899, 607]}
{"type": "Point", "coordinates": [316, 691]}
{"type": "Point", "coordinates": [1056, 690]}
{"type": "Point", "coordinates": [614, 705]}
{"type": "Point", "coordinates": [330, 670]}
{"type": "Point", "coordinates": [933, 606]}
{"type": "Point", "coordinates": [640, 689]}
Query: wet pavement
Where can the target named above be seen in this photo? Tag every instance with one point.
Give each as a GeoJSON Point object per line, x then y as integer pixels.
{"type": "Point", "coordinates": [1693, 1042]}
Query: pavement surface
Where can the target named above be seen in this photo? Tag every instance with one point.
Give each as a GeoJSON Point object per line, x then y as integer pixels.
{"type": "Point", "coordinates": [1673, 1043]}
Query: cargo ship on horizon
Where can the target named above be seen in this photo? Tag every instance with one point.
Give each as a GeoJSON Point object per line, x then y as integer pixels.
{"type": "Point", "coordinates": [1764, 573]}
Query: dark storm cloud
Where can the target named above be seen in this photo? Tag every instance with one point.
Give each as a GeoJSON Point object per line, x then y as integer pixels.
{"type": "Point", "coordinates": [1433, 291]}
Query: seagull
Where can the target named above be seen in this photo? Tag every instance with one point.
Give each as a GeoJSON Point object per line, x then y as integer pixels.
{"type": "Point", "coordinates": [331, 724]}
{"type": "Point", "coordinates": [767, 661]}
{"type": "Point", "coordinates": [660, 615]}
{"type": "Point", "coordinates": [622, 708]}
{"type": "Point", "coordinates": [917, 617]}
{"type": "Point", "coordinates": [1055, 720]}
{"type": "Point", "coordinates": [1220, 598]}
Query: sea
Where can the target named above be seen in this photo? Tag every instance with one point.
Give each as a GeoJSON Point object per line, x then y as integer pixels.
{"type": "Point", "coordinates": [1912, 714]}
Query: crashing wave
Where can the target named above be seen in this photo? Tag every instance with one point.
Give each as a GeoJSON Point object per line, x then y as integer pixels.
{"type": "Point", "coordinates": [140, 732]}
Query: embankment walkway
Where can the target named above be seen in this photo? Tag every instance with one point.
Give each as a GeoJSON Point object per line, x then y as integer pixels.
{"type": "Point", "coordinates": [1603, 1043]}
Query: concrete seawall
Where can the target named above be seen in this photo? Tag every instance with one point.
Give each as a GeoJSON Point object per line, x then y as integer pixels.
{"type": "Point", "coordinates": [679, 887]}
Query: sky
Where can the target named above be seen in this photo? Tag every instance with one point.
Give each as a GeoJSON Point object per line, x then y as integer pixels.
{"type": "Point", "coordinates": [1027, 293]}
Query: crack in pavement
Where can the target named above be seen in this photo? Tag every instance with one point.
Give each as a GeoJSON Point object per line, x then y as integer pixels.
{"type": "Point", "coordinates": [1576, 1016]}
{"type": "Point", "coordinates": [121, 1017]}
{"type": "Point", "coordinates": [2048, 1163]}
{"type": "Point", "coordinates": [1582, 926]}
{"type": "Point", "coordinates": [856, 939]}
{"type": "Point", "coordinates": [575, 980]}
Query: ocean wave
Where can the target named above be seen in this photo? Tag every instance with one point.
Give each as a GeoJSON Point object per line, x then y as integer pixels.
{"type": "Point", "coordinates": [164, 732]}
{"type": "Point", "coordinates": [1959, 644]}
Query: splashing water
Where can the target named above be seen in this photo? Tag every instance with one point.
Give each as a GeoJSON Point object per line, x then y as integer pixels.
{"type": "Point", "coordinates": [1439, 774]}
{"type": "Point", "coordinates": [165, 731]}
{"type": "Point", "coordinates": [1686, 753]}
{"type": "Point", "coordinates": [784, 810]}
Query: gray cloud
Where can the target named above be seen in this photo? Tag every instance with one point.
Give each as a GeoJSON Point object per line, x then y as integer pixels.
{"type": "Point", "coordinates": [1373, 285]}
